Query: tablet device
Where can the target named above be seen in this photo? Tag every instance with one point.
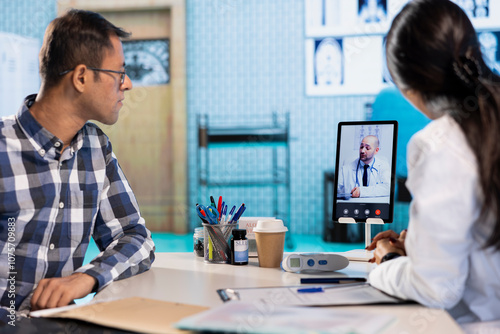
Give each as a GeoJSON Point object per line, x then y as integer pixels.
{"type": "Point", "coordinates": [365, 169]}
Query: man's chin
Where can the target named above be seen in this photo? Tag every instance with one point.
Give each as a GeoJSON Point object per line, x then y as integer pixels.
{"type": "Point", "coordinates": [108, 121]}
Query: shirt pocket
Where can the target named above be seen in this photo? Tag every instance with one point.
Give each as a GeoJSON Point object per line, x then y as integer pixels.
{"type": "Point", "coordinates": [82, 212]}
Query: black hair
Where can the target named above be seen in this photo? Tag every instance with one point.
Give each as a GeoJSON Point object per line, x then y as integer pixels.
{"type": "Point", "coordinates": [77, 37]}
{"type": "Point", "coordinates": [432, 48]}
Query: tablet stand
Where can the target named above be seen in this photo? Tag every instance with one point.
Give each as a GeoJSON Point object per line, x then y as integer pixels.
{"type": "Point", "coordinates": [361, 254]}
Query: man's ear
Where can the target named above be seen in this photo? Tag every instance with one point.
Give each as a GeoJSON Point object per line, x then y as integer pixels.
{"type": "Point", "coordinates": [80, 77]}
{"type": "Point", "coordinates": [377, 149]}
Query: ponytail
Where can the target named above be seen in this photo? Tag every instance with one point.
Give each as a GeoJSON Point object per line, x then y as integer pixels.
{"type": "Point", "coordinates": [480, 122]}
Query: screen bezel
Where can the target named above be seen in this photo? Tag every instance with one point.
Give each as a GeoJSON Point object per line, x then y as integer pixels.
{"type": "Point", "coordinates": [393, 169]}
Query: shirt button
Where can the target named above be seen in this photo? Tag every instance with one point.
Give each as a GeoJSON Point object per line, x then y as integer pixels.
{"type": "Point", "coordinates": [57, 144]}
{"type": "Point", "coordinates": [51, 246]}
{"type": "Point", "coordinates": [61, 205]}
{"type": "Point", "coordinates": [42, 152]}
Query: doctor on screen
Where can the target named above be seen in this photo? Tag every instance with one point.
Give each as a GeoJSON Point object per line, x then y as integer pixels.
{"type": "Point", "coordinates": [366, 176]}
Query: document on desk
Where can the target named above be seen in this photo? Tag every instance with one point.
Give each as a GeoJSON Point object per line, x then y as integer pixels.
{"type": "Point", "coordinates": [259, 317]}
{"type": "Point", "coordinates": [135, 314]}
{"type": "Point", "coordinates": [351, 294]}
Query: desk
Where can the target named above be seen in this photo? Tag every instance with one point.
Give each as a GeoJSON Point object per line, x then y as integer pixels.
{"type": "Point", "coordinates": [184, 278]}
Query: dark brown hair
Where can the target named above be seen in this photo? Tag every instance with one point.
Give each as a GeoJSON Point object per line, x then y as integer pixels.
{"type": "Point", "coordinates": [77, 37]}
{"type": "Point", "coordinates": [433, 48]}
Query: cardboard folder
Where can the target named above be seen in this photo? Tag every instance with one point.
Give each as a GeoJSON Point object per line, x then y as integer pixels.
{"type": "Point", "coordinates": [133, 314]}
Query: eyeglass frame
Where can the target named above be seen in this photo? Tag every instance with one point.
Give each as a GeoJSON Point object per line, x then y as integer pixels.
{"type": "Point", "coordinates": [122, 73]}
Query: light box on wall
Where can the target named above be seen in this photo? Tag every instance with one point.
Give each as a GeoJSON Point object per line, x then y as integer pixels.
{"type": "Point", "coordinates": [344, 66]}
{"type": "Point", "coordinates": [345, 42]}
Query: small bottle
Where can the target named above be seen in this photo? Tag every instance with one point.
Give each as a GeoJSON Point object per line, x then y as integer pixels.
{"type": "Point", "coordinates": [239, 247]}
{"type": "Point", "coordinates": [198, 237]}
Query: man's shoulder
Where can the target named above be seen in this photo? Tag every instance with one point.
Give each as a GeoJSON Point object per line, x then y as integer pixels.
{"type": "Point", "coordinates": [7, 121]}
{"type": "Point", "coordinates": [7, 124]}
{"type": "Point", "coordinates": [381, 162]}
{"type": "Point", "coordinates": [354, 163]}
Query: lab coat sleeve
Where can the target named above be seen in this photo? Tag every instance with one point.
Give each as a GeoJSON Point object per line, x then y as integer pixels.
{"type": "Point", "coordinates": [443, 182]}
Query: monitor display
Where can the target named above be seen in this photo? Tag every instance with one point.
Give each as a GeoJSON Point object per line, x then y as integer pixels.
{"type": "Point", "coordinates": [365, 170]}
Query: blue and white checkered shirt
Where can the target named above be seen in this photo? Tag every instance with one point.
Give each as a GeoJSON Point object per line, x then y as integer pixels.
{"type": "Point", "coordinates": [52, 202]}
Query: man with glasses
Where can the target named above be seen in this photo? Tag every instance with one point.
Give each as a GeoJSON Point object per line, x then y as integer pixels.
{"type": "Point", "coordinates": [60, 182]}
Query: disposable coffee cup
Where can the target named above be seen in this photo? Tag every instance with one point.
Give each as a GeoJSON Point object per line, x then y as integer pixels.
{"type": "Point", "coordinates": [270, 238]}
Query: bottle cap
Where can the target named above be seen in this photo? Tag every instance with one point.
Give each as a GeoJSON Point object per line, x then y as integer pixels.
{"type": "Point", "coordinates": [239, 233]}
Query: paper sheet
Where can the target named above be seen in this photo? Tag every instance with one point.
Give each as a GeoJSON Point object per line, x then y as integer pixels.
{"type": "Point", "coordinates": [260, 317]}
{"type": "Point", "coordinates": [356, 294]}
{"type": "Point", "coordinates": [133, 314]}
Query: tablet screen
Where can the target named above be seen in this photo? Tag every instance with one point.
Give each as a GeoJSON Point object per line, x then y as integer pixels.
{"type": "Point", "coordinates": [365, 170]}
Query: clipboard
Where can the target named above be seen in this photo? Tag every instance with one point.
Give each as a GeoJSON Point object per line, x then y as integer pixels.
{"type": "Point", "coordinates": [330, 295]}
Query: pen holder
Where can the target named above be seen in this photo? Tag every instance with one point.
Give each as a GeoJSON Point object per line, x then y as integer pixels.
{"type": "Point", "coordinates": [217, 241]}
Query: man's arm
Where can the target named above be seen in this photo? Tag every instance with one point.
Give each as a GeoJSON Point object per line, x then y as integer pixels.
{"type": "Point", "coordinates": [341, 186]}
{"type": "Point", "coordinates": [120, 232]}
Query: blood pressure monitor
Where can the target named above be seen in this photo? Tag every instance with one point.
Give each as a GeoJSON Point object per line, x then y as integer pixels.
{"type": "Point", "coordinates": [314, 262]}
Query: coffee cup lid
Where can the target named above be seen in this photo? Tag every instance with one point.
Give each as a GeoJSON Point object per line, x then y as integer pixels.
{"type": "Point", "coordinates": [270, 226]}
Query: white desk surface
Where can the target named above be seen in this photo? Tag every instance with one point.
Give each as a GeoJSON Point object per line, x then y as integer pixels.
{"type": "Point", "coordinates": [184, 278]}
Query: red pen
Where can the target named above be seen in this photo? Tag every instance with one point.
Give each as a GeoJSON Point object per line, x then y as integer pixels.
{"type": "Point", "coordinates": [219, 205]}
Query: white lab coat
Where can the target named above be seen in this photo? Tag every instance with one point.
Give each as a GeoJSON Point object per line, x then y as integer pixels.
{"type": "Point", "coordinates": [446, 266]}
{"type": "Point", "coordinates": [379, 178]}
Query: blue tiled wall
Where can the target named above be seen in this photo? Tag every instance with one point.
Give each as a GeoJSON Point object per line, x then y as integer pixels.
{"type": "Point", "coordinates": [245, 61]}
{"type": "Point", "coordinates": [26, 17]}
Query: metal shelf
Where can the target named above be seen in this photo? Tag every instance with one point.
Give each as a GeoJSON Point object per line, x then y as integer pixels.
{"type": "Point", "coordinates": [273, 137]}
{"type": "Point", "coordinates": [246, 183]}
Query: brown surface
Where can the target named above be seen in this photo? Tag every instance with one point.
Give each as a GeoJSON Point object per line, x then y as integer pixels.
{"type": "Point", "coordinates": [134, 314]}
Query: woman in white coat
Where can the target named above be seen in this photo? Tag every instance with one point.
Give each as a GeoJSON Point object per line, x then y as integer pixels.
{"type": "Point", "coordinates": [450, 256]}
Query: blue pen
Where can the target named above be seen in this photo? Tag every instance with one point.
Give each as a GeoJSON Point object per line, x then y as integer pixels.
{"type": "Point", "coordinates": [322, 289]}
{"type": "Point", "coordinates": [237, 212]}
{"type": "Point", "coordinates": [223, 217]}
{"type": "Point", "coordinates": [237, 217]}
{"type": "Point", "coordinates": [230, 214]}
{"type": "Point", "coordinates": [221, 210]}
{"type": "Point", "coordinates": [310, 290]}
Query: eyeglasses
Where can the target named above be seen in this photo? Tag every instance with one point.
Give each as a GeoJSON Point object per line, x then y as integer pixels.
{"type": "Point", "coordinates": [122, 74]}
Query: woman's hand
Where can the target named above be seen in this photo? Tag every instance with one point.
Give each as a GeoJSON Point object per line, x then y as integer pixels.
{"type": "Point", "coordinates": [387, 242]}
{"type": "Point", "coordinates": [384, 246]}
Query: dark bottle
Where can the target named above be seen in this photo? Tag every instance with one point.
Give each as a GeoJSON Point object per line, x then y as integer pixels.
{"type": "Point", "coordinates": [239, 247]}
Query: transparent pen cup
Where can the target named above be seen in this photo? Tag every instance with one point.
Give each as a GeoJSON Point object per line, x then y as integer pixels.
{"type": "Point", "coordinates": [217, 242]}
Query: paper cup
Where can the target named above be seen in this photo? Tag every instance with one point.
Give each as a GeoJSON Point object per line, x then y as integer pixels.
{"type": "Point", "coordinates": [270, 238]}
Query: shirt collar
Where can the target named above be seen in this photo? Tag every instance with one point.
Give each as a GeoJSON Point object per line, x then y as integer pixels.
{"type": "Point", "coordinates": [362, 164]}
{"type": "Point", "coordinates": [372, 165]}
{"type": "Point", "coordinates": [47, 145]}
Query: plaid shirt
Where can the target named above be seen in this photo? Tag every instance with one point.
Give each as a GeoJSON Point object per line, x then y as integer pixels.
{"type": "Point", "coordinates": [52, 202]}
